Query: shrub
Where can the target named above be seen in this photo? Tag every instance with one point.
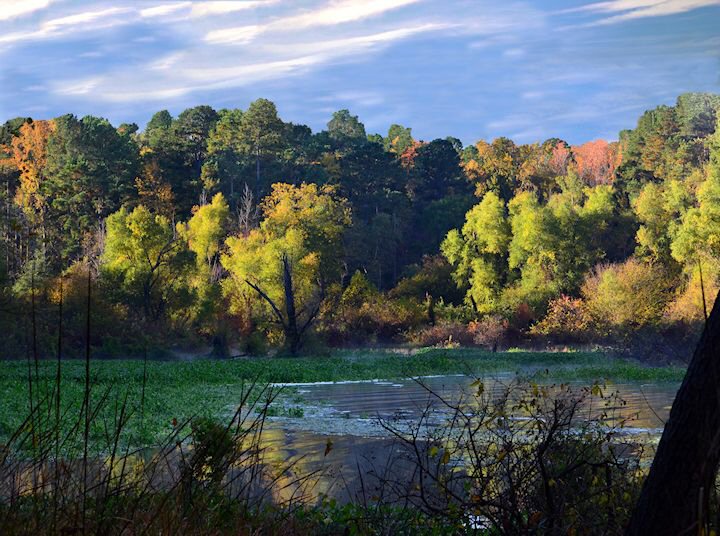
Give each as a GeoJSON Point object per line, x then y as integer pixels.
{"type": "Point", "coordinates": [490, 332]}
{"type": "Point", "coordinates": [624, 297]}
{"type": "Point", "coordinates": [687, 307]}
{"type": "Point", "coordinates": [434, 278]}
{"type": "Point", "coordinates": [567, 320]}
{"type": "Point", "coordinates": [443, 334]}
{"type": "Point", "coordinates": [365, 315]}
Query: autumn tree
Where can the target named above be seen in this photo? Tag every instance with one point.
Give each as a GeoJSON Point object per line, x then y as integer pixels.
{"type": "Point", "coordinates": [596, 161]}
{"type": "Point", "coordinates": [281, 269]}
{"type": "Point", "coordinates": [29, 154]}
{"type": "Point", "coordinates": [153, 191]}
{"type": "Point", "coordinates": [147, 262]}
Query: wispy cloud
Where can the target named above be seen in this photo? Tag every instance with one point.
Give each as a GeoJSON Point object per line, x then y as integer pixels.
{"type": "Point", "coordinates": [624, 10]}
{"type": "Point", "coordinates": [202, 74]}
{"type": "Point", "coordinates": [164, 9]}
{"type": "Point", "coordinates": [334, 13]}
{"type": "Point", "coordinates": [69, 24]}
{"type": "Point", "coordinates": [193, 10]}
{"type": "Point", "coordinates": [10, 9]}
{"type": "Point", "coordinates": [483, 68]}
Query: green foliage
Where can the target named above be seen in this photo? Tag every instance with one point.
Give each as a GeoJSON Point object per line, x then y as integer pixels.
{"type": "Point", "coordinates": [544, 216]}
{"type": "Point", "coordinates": [479, 252]}
{"type": "Point", "coordinates": [90, 172]}
{"type": "Point", "coordinates": [205, 231]}
{"type": "Point", "coordinates": [303, 227]}
{"type": "Point", "coordinates": [346, 127]}
{"type": "Point", "coordinates": [148, 262]}
{"type": "Point", "coordinates": [623, 297]}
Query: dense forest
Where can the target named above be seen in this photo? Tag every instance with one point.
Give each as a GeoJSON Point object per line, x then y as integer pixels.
{"type": "Point", "coordinates": [237, 232]}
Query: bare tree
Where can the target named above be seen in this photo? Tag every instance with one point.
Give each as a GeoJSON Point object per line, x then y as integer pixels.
{"type": "Point", "coordinates": [248, 213]}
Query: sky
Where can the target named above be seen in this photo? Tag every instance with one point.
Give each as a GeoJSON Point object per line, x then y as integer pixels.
{"type": "Point", "coordinates": [473, 69]}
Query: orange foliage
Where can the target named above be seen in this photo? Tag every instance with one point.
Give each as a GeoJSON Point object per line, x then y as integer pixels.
{"type": "Point", "coordinates": [407, 158]}
{"type": "Point", "coordinates": [596, 161]}
{"type": "Point", "coordinates": [29, 152]}
{"type": "Point", "coordinates": [560, 158]}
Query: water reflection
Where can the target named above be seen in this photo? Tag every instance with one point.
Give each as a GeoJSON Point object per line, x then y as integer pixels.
{"type": "Point", "coordinates": [346, 416]}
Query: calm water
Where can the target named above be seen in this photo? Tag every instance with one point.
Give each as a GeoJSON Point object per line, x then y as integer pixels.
{"type": "Point", "coordinates": [340, 432]}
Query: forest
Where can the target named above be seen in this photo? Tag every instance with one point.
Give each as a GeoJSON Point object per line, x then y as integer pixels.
{"type": "Point", "coordinates": [233, 232]}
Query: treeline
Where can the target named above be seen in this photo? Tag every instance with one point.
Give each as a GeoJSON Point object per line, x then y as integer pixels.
{"type": "Point", "coordinates": [238, 230]}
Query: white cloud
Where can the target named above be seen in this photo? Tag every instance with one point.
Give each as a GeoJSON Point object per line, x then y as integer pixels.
{"type": "Point", "coordinates": [10, 9]}
{"type": "Point", "coordinates": [164, 9]}
{"type": "Point", "coordinates": [202, 74]}
{"type": "Point", "coordinates": [203, 9]}
{"type": "Point", "coordinates": [341, 12]}
{"type": "Point", "coordinates": [61, 26]}
{"type": "Point", "coordinates": [357, 44]}
{"type": "Point", "coordinates": [195, 10]}
{"type": "Point", "coordinates": [239, 35]}
{"type": "Point", "coordinates": [82, 18]}
{"type": "Point", "coordinates": [283, 46]}
{"type": "Point", "coordinates": [337, 12]}
{"type": "Point", "coordinates": [636, 9]}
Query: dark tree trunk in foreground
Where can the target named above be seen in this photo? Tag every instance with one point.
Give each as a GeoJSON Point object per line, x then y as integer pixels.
{"type": "Point", "coordinates": [675, 496]}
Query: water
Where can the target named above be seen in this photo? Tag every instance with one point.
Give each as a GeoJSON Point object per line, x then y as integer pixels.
{"type": "Point", "coordinates": [340, 431]}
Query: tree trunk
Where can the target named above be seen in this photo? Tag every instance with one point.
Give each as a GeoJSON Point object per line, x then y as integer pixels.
{"type": "Point", "coordinates": [676, 492]}
{"type": "Point", "coordinates": [257, 171]}
{"type": "Point", "coordinates": [291, 329]}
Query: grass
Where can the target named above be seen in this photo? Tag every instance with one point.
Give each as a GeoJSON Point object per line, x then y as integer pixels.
{"type": "Point", "coordinates": [180, 390]}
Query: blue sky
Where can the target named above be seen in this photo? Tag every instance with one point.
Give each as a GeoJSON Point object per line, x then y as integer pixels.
{"type": "Point", "coordinates": [575, 69]}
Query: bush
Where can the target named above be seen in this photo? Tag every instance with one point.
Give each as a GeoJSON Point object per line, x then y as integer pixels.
{"type": "Point", "coordinates": [433, 278]}
{"type": "Point", "coordinates": [622, 298]}
{"type": "Point", "coordinates": [365, 315]}
{"type": "Point", "coordinates": [567, 320]}
{"type": "Point", "coordinates": [443, 334]}
{"type": "Point", "coordinates": [687, 307]}
{"type": "Point", "coordinates": [490, 332]}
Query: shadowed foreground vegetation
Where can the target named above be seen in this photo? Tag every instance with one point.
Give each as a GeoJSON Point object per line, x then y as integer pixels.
{"type": "Point", "coordinates": [524, 457]}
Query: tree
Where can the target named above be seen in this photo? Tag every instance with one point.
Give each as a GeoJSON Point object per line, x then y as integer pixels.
{"type": "Point", "coordinates": [318, 212]}
{"type": "Point", "coordinates": [596, 161]}
{"type": "Point", "coordinates": [205, 232]}
{"type": "Point", "coordinates": [90, 173]}
{"type": "Point", "coordinates": [399, 139]}
{"type": "Point", "coordinates": [286, 262]}
{"type": "Point", "coordinates": [153, 191]}
{"type": "Point", "coordinates": [147, 260]}
{"type": "Point", "coordinates": [675, 497]}
{"type": "Point", "coordinates": [346, 127]}
{"type": "Point", "coordinates": [157, 128]}
{"type": "Point", "coordinates": [223, 170]}
{"type": "Point", "coordinates": [261, 135]}
{"type": "Point", "coordinates": [494, 168]}
{"type": "Point", "coordinates": [28, 154]}
{"type": "Point", "coordinates": [479, 252]}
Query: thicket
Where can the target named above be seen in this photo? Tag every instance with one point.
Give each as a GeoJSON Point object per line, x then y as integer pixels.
{"type": "Point", "coordinates": [236, 232]}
